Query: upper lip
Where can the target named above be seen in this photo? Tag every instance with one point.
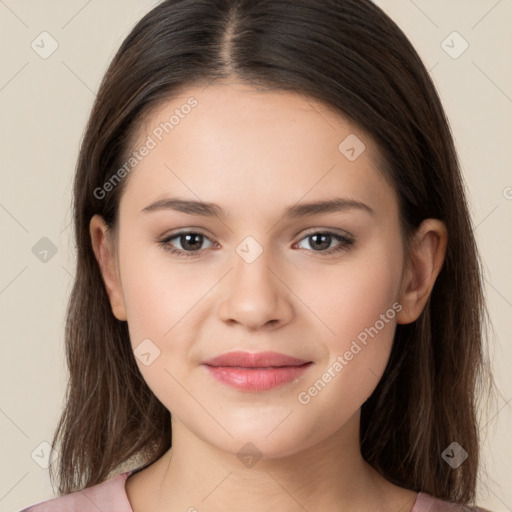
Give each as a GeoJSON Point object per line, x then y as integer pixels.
{"type": "Point", "coordinates": [254, 360]}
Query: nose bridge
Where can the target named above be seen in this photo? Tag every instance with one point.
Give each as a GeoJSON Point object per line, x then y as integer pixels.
{"type": "Point", "coordinates": [252, 262]}
{"type": "Point", "coordinates": [253, 295]}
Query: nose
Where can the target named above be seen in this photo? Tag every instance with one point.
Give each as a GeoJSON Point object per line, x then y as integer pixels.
{"type": "Point", "coordinates": [255, 296]}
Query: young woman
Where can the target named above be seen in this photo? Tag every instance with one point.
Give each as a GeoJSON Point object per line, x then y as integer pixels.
{"type": "Point", "coordinates": [278, 299]}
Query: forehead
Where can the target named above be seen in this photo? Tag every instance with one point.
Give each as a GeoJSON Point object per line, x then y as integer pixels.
{"type": "Point", "coordinates": [232, 143]}
{"type": "Point", "coordinates": [263, 113]}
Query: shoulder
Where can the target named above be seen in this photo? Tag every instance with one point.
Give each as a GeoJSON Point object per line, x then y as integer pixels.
{"type": "Point", "coordinates": [427, 503]}
{"type": "Point", "coordinates": [107, 496]}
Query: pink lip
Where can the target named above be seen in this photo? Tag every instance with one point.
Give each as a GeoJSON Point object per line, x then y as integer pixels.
{"type": "Point", "coordinates": [256, 371]}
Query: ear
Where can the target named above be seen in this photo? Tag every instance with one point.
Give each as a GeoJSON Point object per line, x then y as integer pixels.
{"type": "Point", "coordinates": [427, 253]}
{"type": "Point", "coordinates": [106, 256]}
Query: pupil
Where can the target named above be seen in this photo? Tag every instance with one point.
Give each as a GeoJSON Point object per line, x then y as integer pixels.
{"type": "Point", "coordinates": [191, 245]}
{"type": "Point", "coordinates": [323, 245]}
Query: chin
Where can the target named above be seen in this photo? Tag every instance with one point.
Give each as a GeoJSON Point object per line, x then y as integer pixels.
{"type": "Point", "coordinates": [259, 444]}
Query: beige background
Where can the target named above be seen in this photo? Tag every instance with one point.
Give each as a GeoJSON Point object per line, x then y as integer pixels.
{"type": "Point", "coordinates": [44, 106]}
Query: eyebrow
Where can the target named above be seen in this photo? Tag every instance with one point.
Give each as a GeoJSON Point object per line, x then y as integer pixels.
{"type": "Point", "coordinates": [334, 205]}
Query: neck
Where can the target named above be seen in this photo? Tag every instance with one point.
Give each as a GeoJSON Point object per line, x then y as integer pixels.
{"type": "Point", "coordinates": [194, 475]}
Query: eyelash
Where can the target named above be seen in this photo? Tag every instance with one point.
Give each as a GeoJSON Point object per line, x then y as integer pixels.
{"type": "Point", "coordinates": [345, 245]}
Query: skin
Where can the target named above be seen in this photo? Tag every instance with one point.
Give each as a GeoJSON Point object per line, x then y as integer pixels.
{"type": "Point", "coordinates": [254, 153]}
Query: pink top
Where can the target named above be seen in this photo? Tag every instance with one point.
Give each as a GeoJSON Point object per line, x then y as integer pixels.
{"type": "Point", "coordinates": [110, 496]}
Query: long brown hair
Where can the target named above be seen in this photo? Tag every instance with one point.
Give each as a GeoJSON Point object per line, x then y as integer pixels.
{"type": "Point", "coordinates": [350, 55]}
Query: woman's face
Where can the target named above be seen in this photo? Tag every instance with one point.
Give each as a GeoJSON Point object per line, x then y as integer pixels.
{"type": "Point", "coordinates": [258, 278]}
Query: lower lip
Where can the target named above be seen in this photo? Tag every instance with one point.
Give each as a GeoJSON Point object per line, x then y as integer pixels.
{"type": "Point", "coordinates": [257, 379]}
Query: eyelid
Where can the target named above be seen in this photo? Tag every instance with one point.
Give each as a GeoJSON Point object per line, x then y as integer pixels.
{"type": "Point", "coordinates": [185, 231]}
{"type": "Point", "coordinates": [335, 231]}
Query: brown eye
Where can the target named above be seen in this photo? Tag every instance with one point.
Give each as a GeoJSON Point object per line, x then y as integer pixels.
{"type": "Point", "coordinates": [190, 243]}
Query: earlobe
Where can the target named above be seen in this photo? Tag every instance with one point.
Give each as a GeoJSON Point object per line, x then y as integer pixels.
{"type": "Point", "coordinates": [105, 256]}
{"type": "Point", "coordinates": [427, 253]}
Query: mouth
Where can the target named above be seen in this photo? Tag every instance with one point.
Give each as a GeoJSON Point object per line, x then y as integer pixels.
{"type": "Point", "coordinates": [256, 371]}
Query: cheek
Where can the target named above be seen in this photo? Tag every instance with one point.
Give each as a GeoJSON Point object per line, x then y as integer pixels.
{"type": "Point", "coordinates": [158, 296]}
{"type": "Point", "coordinates": [359, 305]}
{"type": "Point", "coordinates": [356, 303]}
{"type": "Point", "coordinates": [162, 305]}
{"type": "Point", "coordinates": [158, 306]}
{"type": "Point", "coordinates": [341, 386]}
{"type": "Point", "coordinates": [351, 296]}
